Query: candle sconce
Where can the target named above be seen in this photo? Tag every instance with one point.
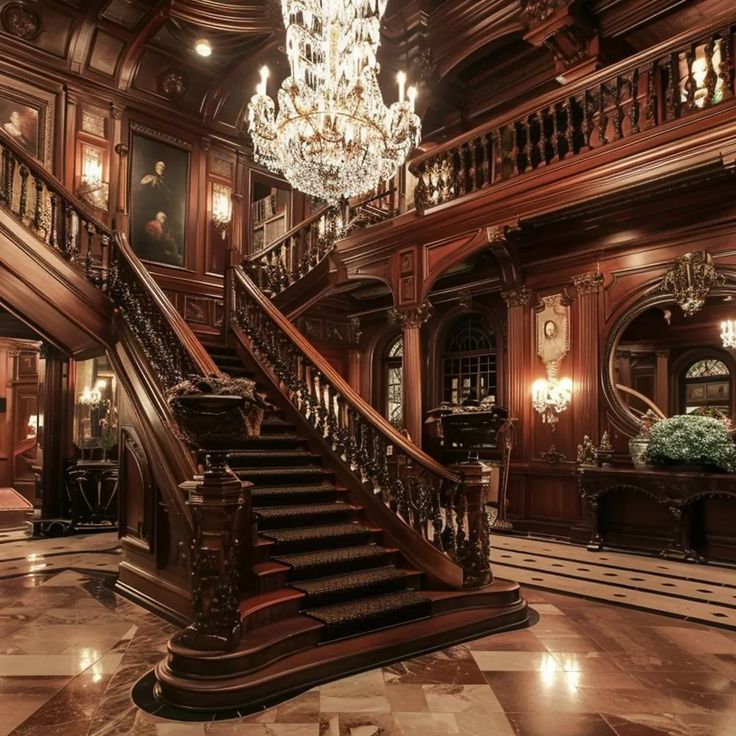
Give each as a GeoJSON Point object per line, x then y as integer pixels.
{"type": "Point", "coordinates": [92, 189]}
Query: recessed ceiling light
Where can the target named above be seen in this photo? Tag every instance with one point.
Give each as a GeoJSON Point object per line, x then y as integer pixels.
{"type": "Point", "coordinates": [203, 47]}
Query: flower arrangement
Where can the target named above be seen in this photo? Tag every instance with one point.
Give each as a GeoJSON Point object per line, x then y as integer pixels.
{"type": "Point", "coordinates": [109, 430]}
{"type": "Point", "coordinates": [691, 440]}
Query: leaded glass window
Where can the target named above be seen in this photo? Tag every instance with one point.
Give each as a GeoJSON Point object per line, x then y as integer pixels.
{"type": "Point", "coordinates": [469, 361]}
{"type": "Point", "coordinates": [707, 386]}
{"type": "Point", "coordinates": [395, 382]}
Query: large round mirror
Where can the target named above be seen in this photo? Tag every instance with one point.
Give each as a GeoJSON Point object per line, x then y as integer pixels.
{"type": "Point", "coordinates": [661, 360]}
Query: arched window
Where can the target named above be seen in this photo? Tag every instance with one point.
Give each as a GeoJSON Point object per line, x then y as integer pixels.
{"type": "Point", "coordinates": [394, 381]}
{"type": "Point", "coordinates": [707, 386]}
{"type": "Point", "coordinates": [469, 367]}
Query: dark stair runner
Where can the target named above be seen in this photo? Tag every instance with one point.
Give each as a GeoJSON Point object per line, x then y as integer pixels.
{"type": "Point", "coordinates": [351, 583]}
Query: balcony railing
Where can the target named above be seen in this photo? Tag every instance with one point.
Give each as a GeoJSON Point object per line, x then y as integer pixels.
{"type": "Point", "coordinates": [687, 74]}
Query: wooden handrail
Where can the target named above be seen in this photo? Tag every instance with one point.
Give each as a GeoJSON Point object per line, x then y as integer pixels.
{"type": "Point", "coordinates": [558, 96]}
{"type": "Point", "coordinates": [355, 401]}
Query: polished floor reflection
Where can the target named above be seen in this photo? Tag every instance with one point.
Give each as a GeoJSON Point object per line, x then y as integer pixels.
{"type": "Point", "coordinates": [72, 649]}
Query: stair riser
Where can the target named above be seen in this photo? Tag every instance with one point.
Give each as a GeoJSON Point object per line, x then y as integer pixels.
{"type": "Point", "coordinates": [387, 586]}
{"type": "Point", "coordinates": [270, 614]}
{"type": "Point", "coordinates": [303, 520]}
{"type": "Point", "coordinates": [310, 477]}
{"type": "Point", "coordinates": [261, 459]}
{"type": "Point", "coordinates": [309, 545]}
{"type": "Point", "coordinates": [292, 498]}
{"type": "Point", "coordinates": [280, 441]}
{"type": "Point", "coordinates": [336, 568]}
{"type": "Point", "coordinates": [377, 621]}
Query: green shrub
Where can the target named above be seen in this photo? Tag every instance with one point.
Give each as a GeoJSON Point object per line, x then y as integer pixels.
{"type": "Point", "coordinates": [691, 440]}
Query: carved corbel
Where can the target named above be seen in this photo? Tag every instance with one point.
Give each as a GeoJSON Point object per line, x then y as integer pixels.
{"type": "Point", "coordinates": [588, 283]}
{"type": "Point", "coordinates": [518, 297]}
{"type": "Point", "coordinates": [500, 240]}
{"type": "Point", "coordinates": [413, 317]}
{"type": "Point", "coordinates": [567, 33]}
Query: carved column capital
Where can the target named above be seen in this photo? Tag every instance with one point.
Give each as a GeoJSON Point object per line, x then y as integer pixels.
{"type": "Point", "coordinates": [517, 297]}
{"type": "Point", "coordinates": [413, 317]}
{"type": "Point", "coordinates": [588, 283]}
{"type": "Point", "coordinates": [117, 111]}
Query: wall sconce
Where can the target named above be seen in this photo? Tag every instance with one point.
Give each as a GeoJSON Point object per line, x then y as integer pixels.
{"type": "Point", "coordinates": [551, 396]}
{"type": "Point", "coordinates": [728, 333]}
{"type": "Point", "coordinates": [222, 207]}
{"type": "Point", "coordinates": [91, 187]}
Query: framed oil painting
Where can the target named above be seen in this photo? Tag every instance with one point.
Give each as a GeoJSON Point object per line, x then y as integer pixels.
{"type": "Point", "coordinates": [27, 117]}
{"type": "Point", "coordinates": [159, 188]}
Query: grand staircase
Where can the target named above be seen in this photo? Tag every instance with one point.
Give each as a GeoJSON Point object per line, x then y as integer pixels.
{"type": "Point", "coordinates": [329, 592]}
{"type": "Point", "coordinates": [351, 548]}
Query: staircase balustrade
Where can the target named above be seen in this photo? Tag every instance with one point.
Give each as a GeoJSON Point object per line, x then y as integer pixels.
{"type": "Point", "coordinates": [690, 73]}
{"type": "Point", "coordinates": [63, 223]}
{"type": "Point", "coordinates": [299, 251]}
{"type": "Point", "coordinates": [428, 497]}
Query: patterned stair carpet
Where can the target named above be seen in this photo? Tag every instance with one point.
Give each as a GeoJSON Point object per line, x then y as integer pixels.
{"type": "Point", "coordinates": [323, 546]}
{"type": "Point", "coordinates": [703, 593]}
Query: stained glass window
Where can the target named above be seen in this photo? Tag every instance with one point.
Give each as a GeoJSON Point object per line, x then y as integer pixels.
{"type": "Point", "coordinates": [707, 386]}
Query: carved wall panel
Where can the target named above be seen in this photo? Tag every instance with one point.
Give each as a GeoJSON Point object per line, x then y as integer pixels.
{"type": "Point", "coordinates": [137, 489]}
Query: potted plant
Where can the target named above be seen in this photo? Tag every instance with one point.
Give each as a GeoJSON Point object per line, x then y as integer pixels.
{"type": "Point", "coordinates": [639, 444]}
{"type": "Point", "coordinates": [693, 442]}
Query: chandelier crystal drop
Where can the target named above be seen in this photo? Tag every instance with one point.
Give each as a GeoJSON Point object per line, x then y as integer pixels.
{"type": "Point", "coordinates": [333, 137]}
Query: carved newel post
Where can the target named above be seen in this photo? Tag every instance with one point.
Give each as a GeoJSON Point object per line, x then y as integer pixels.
{"type": "Point", "coordinates": [475, 553]}
{"type": "Point", "coordinates": [214, 424]}
{"type": "Point", "coordinates": [220, 509]}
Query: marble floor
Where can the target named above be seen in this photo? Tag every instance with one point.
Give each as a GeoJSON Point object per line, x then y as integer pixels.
{"type": "Point", "coordinates": [72, 649]}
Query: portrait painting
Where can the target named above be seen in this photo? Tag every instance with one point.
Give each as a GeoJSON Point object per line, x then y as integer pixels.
{"type": "Point", "coordinates": [553, 329]}
{"type": "Point", "coordinates": [20, 121]}
{"type": "Point", "coordinates": [159, 183]}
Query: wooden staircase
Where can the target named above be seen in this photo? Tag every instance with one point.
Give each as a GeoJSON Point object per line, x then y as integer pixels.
{"type": "Point", "coordinates": [328, 591]}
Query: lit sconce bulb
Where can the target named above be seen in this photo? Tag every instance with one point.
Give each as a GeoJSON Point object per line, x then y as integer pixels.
{"type": "Point", "coordinates": [263, 85]}
{"type": "Point", "coordinates": [401, 79]}
{"type": "Point", "coordinates": [412, 97]}
{"type": "Point", "coordinates": [202, 47]}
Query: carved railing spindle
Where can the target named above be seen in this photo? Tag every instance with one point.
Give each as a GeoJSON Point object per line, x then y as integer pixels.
{"type": "Point", "coordinates": [726, 68]}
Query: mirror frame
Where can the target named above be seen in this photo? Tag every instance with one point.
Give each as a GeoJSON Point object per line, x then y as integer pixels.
{"type": "Point", "coordinates": [652, 296]}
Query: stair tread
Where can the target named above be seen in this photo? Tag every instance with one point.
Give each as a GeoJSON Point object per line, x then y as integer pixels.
{"type": "Point", "coordinates": [307, 509]}
{"type": "Point", "coordinates": [272, 452]}
{"type": "Point", "coordinates": [340, 614]}
{"type": "Point", "coordinates": [307, 559]}
{"type": "Point", "coordinates": [317, 532]}
{"type": "Point", "coordinates": [282, 490]}
{"type": "Point", "coordinates": [289, 470]}
{"type": "Point", "coordinates": [352, 580]}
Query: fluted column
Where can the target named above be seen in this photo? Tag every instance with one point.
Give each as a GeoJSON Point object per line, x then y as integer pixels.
{"type": "Point", "coordinates": [519, 342]}
{"type": "Point", "coordinates": [411, 321]}
{"type": "Point", "coordinates": [586, 378]}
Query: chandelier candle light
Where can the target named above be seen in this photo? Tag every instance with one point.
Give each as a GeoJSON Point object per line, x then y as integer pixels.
{"type": "Point", "coordinates": [551, 396]}
{"type": "Point", "coordinates": [728, 334]}
{"type": "Point", "coordinates": [333, 137]}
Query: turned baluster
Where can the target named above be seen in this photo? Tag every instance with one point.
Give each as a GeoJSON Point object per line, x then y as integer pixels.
{"type": "Point", "coordinates": [634, 111]}
{"type": "Point", "coordinates": [726, 67]}
{"type": "Point", "coordinates": [54, 223]}
{"type": "Point", "coordinates": [650, 107]}
{"type": "Point", "coordinates": [24, 173]}
{"type": "Point", "coordinates": [711, 75]}
{"type": "Point", "coordinates": [602, 116]}
{"type": "Point", "coordinates": [569, 126]}
{"type": "Point", "coordinates": [672, 92]}
{"type": "Point", "coordinates": [38, 205]}
{"type": "Point", "coordinates": [474, 163]}
{"type": "Point", "coordinates": [554, 140]}
{"type": "Point", "coordinates": [487, 143]}
{"type": "Point", "coordinates": [8, 176]}
{"type": "Point", "coordinates": [587, 121]}
{"type": "Point", "coordinates": [460, 178]}
{"type": "Point", "coordinates": [691, 84]}
{"type": "Point", "coordinates": [618, 111]}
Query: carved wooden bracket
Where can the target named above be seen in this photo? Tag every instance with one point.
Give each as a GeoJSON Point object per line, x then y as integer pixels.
{"type": "Point", "coordinates": [413, 317]}
{"type": "Point", "coordinates": [570, 37]}
{"type": "Point", "coordinates": [500, 239]}
{"type": "Point", "coordinates": [588, 283]}
{"type": "Point", "coordinates": [519, 297]}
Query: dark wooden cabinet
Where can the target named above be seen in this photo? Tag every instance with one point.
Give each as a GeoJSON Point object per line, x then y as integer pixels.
{"type": "Point", "coordinates": [673, 513]}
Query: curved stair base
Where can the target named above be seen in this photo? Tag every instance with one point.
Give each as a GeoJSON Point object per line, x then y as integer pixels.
{"type": "Point", "coordinates": [456, 617]}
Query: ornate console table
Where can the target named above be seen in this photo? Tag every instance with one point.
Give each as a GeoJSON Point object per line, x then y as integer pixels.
{"type": "Point", "coordinates": [676, 491]}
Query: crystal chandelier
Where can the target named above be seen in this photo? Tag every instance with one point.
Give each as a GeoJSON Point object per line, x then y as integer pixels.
{"type": "Point", "coordinates": [333, 137]}
{"type": "Point", "coordinates": [728, 333]}
{"type": "Point", "coordinates": [551, 396]}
